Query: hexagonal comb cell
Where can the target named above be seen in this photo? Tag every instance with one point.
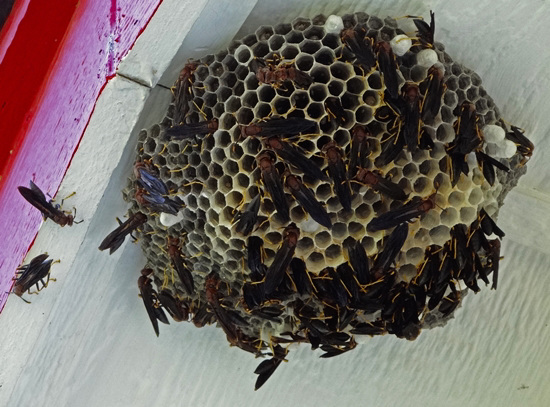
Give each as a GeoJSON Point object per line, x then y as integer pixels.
{"type": "Point", "coordinates": [302, 194]}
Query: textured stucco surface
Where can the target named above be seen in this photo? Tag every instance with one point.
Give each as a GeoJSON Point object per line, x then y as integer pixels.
{"type": "Point", "coordinates": [86, 339]}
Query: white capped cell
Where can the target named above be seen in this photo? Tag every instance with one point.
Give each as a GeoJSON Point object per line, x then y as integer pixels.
{"type": "Point", "coordinates": [400, 44]}
{"type": "Point", "coordinates": [334, 24]}
{"type": "Point", "coordinates": [426, 58]}
{"type": "Point", "coordinates": [170, 220]}
{"type": "Point", "coordinates": [493, 133]}
{"type": "Point", "coordinates": [507, 149]}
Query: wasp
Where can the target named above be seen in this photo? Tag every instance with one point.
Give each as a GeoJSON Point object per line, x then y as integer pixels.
{"type": "Point", "coordinates": [36, 198]}
{"type": "Point", "coordinates": [524, 146]}
{"type": "Point", "coordinates": [183, 91]}
{"type": "Point", "coordinates": [488, 225]}
{"type": "Point", "coordinates": [493, 256]}
{"type": "Point", "coordinates": [337, 171]}
{"type": "Point", "coordinates": [488, 164]}
{"type": "Point", "coordinates": [429, 267]}
{"type": "Point", "coordinates": [425, 31]}
{"type": "Point", "coordinates": [332, 350]}
{"type": "Point", "coordinates": [275, 127]}
{"type": "Point", "coordinates": [410, 127]}
{"type": "Point", "coordinates": [412, 209]}
{"type": "Point", "coordinates": [190, 130]}
{"type": "Point", "coordinates": [254, 258]}
{"type": "Point", "coordinates": [277, 75]}
{"type": "Point", "coordinates": [377, 327]}
{"type": "Point", "coordinates": [276, 271]}
{"type": "Point", "coordinates": [335, 111]}
{"type": "Point", "coordinates": [390, 149]}
{"type": "Point", "coordinates": [178, 310]}
{"type": "Point", "coordinates": [392, 247]}
{"type": "Point", "coordinates": [150, 300]}
{"type": "Point", "coordinates": [435, 88]}
{"type": "Point", "coordinates": [295, 157]}
{"type": "Point", "coordinates": [226, 319]}
{"type": "Point", "coordinates": [152, 191]}
{"type": "Point", "coordinates": [359, 261]}
{"type": "Point", "coordinates": [300, 276]}
{"type": "Point", "coordinates": [381, 184]}
{"type": "Point", "coordinates": [359, 149]}
{"type": "Point", "coordinates": [254, 294]}
{"type": "Point", "coordinates": [361, 47]}
{"type": "Point", "coordinates": [178, 262]}
{"type": "Point", "coordinates": [468, 137]}
{"type": "Point", "coordinates": [273, 184]}
{"type": "Point", "coordinates": [307, 200]}
{"type": "Point", "coordinates": [388, 67]}
{"type": "Point", "coordinates": [117, 236]}
{"type": "Point", "coordinates": [401, 313]}
{"type": "Point", "coordinates": [247, 220]}
{"type": "Point", "coordinates": [348, 278]}
{"type": "Point", "coordinates": [450, 303]}
{"type": "Point", "coordinates": [157, 203]}
{"type": "Point", "coordinates": [33, 273]}
{"type": "Point", "coordinates": [267, 367]}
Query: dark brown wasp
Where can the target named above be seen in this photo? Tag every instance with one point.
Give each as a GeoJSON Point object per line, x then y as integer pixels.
{"type": "Point", "coordinates": [435, 88]}
{"type": "Point", "coordinates": [267, 367]}
{"type": "Point", "coordinates": [359, 149]}
{"type": "Point", "coordinates": [429, 267]}
{"type": "Point", "coordinates": [488, 225]}
{"type": "Point", "coordinates": [190, 130]}
{"type": "Point", "coordinates": [225, 318]}
{"type": "Point", "coordinates": [275, 127]}
{"type": "Point", "coordinates": [401, 313]}
{"type": "Point", "coordinates": [425, 31]}
{"type": "Point", "coordinates": [450, 302]}
{"type": "Point", "coordinates": [36, 198]}
{"type": "Point", "coordinates": [488, 164]}
{"type": "Point", "coordinates": [276, 271]}
{"type": "Point", "coordinates": [414, 208]}
{"type": "Point", "coordinates": [117, 236]}
{"type": "Point", "coordinates": [273, 184]}
{"type": "Point", "coordinates": [247, 219]}
{"type": "Point", "coordinates": [493, 257]}
{"type": "Point", "coordinates": [524, 145]}
{"type": "Point", "coordinates": [300, 276]}
{"type": "Point", "coordinates": [178, 262]}
{"type": "Point", "coordinates": [468, 139]}
{"type": "Point", "coordinates": [295, 157]}
{"type": "Point", "coordinates": [255, 258]}
{"type": "Point", "coordinates": [178, 310]}
{"type": "Point", "coordinates": [381, 184]}
{"type": "Point", "coordinates": [390, 149]}
{"type": "Point", "coordinates": [359, 261]}
{"type": "Point", "coordinates": [392, 247]}
{"type": "Point", "coordinates": [361, 47]}
{"type": "Point", "coordinates": [335, 111]}
{"type": "Point", "coordinates": [410, 125]}
{"type": "Point", "coordinates": [183, 91]}
{"type": "Point", "coordinates": [337, 171]}
{"type": "Point", "coordinates": [349, 279]}
{"type": "Point", "coordinates": [32, 274]}
{"type": "Point", "coordinates": [306, 198]}
{"type": "Point", "coordinates": [277, 75]}
{"type": "Point", "coordinates": [388, 67]}
{"type": "Point", "coordinates": [377, 327]}
{"type": "Point", "coordinates": [150, 300]}
{"type": "Point", "coordinates": [337, 344]}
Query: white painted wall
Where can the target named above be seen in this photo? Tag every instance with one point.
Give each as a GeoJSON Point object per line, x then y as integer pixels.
{"type": "Point", "coordinates": [86, 340]}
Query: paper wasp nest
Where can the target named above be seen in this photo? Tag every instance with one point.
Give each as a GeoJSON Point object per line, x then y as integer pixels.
{"type": "Point", "coordinates": [217, 175]}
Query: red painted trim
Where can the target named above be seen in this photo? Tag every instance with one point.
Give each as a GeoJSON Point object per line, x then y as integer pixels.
{"type": "Point", "coordinates": [60, 58]}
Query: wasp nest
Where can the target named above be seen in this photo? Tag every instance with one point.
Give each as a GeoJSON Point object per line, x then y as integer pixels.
{"type": "Point", "coordinates": [321, 180]}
